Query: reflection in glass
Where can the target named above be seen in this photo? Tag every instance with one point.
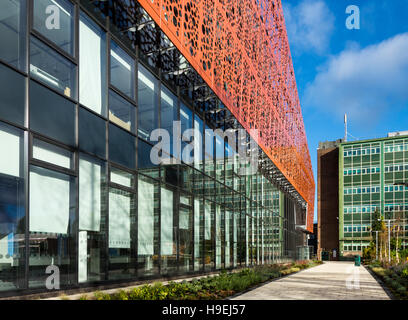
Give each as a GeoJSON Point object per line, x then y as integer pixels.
{"type": "Point", "coordinates": [185, 234]}
{"type": "Point", "coordinates": [147, 103]}
{"type": "Point", "coordinates": [12, 93]}
{"type": "Point", "coordinates": [198, 143]}
{"type": "Point", "coordinates": [209, 151]}
{"type": "Point", "coordinates": [168, 237]}
{"type": "Point", "coordinates": [148, 227]}
{"type": "Point", "coordinates": [92, 136]}
{"type": "Point", "coordinates": [12, 209]}
{"type": "Point", "coordinates": [50, 153]}
{"type": "Point", "coordinates": [52, 209]}
{"type": "Point", "coordinates": [49, 67]}
{"type": "Point", "coordinates": [198, 233]}
{"type": "Point", "coordinates": [121, 215]}
{"type": "Point", "coordinates": [92, 65]}
{"type": "Point", "coordinates": [122, 149]}
{"type": "Point", "coordinates": [121, 177]}
{"type": "Point", "coordinates": [91, 245]}
{"type": "Point", "coordinates": [122, 112]}
{"type": "Point", "coordinates": [122, 70]}
{"type": "Point", "coordinates": [169, 114]}
{"type": "Point", "coordinates": [51, 114]}
{"type": "Point", "coordinates": [13, 32]}
{"type": "Point", "coordinates": [59, 30]}
{"type": "Point", "coordinates": [209, 235]}
{"type": "Point", "coordinates": [144, 162]}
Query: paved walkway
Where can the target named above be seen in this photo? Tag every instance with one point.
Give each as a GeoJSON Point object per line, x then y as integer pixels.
{"type": "Point", "coordinates": [329, 281]}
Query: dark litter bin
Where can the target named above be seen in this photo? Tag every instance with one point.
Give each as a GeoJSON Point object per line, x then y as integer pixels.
{"type": "Point", "coordinates": [357, 261]}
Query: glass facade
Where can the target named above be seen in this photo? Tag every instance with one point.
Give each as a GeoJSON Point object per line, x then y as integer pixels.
{"type": "Point", "coordinates": [79, 190]}
{"type": "Point", "coordinates": [369, 171]}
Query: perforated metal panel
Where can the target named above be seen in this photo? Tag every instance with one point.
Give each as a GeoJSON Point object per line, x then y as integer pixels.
{"type": "Point", "coordinates": [240, 48]}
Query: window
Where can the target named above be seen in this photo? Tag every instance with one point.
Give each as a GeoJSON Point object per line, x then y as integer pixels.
{"type": "Point", "coordinates": [122, 112]}
{"type": "Point", "coordinates": [13, 32]}
{"type": "Point", "coordinates": [122, 149]}
{"type": "Point", "coordinates": [52, 204]}
{"type": "Point", "coordinates": [122, 70]}
{"type": "Point", "coordinates": [49, 153]}
{"type": "Point", "coordinates": [121, 215]}
{"type": "Point", "coordinates": [51, 114]}
{"type": "Point", "coordinates": [169, 113]}
{"type": "Point", "coordinates": [147, 225]}
{"type": "Point", "coordinates": [12, 207]}
{"type": "Point", "coordinates": [92, 133]}
{"type": "Point", "coordinates": [52, 69]}
{"type": "Point", "coordinates": [148, 103]}
{"type": "Point", "coordinates": [91, 245]}
{"type": "Point", "coordinates": [12, 95]}
{"type": "Point", "coordinates": [121, 177]}
{"type": "Point", "coordinates": [92, 66]}
{"type": "Point", "coordinates": [144, 162]}
{"type": "Point", "coordinates": [168, 238]}
{"type": "Point", "coordinates": [59, 30]}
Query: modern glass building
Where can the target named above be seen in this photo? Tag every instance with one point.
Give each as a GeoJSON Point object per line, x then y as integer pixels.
{"type": "Point", "coordinates": [371, 175]}
{"type": "Point", "coordinates": [83, 84]}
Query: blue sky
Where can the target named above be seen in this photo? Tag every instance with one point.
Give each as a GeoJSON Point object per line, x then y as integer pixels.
{"type": "Point", "coordinates": [363, 73]}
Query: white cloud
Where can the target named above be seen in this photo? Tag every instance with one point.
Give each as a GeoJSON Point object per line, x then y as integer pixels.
{"type": "Point", "coordinates": [365, 83]}
{"type": "Point", "coordinates": [309, 25]}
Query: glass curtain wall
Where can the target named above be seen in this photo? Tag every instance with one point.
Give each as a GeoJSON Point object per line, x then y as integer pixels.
{"type": "Point", "coordinates": [98, 208]}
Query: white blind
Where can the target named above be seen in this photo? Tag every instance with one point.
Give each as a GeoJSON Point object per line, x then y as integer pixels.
{"type": "Point", "coordinates": [184, 218]}
{"type": "Point", "coordinates": [207, 219]}
{"type": "Point", "coordinates": [90, 80]}
{"type": "Point", "coordinates": [119, 221]}
{"type": "Point", "coordinates": [218, 237]}
{"type": "Point", "coordinates": [197, 228]}
{"type": "Point", "coordinates": [10, 157]}
{"type": "Point", "coordinates": [83, 256]}
{"type": "Point", "coordinates": [49, 203]}
{"type": "Point", "coordinates": [52, 154]}
{"type": "Point", "coordinates": [121, 178]}
{"type": "Point", "coordinates": [89, 195]}
{"type": "Point", "coordinates": [166, 222]}
{"type": "Point", "coordinates": [235, 237]}
{"type": "Point", "coordinates": [227, 238]}
{"type": "Point", "coordinates": [145, 217]}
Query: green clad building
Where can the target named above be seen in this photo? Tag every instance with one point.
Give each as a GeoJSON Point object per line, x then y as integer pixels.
{"type": "Point", "coordinates": [372, 174]}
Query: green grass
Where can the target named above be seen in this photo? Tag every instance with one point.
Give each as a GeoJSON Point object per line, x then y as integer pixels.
{"type": "Point", "coordinates": [208, 288]}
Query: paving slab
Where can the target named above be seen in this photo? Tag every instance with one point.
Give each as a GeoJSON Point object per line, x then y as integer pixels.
{"type": "Point", "coordinates": [329, 281]}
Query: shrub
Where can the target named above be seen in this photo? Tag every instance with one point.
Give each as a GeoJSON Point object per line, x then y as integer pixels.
{"type": "Point", "coordinates": [101, 296]}
{"type": "Point", "coordinates": [210, 287]}
{"type": "Point", "coordinates": [379, 270]}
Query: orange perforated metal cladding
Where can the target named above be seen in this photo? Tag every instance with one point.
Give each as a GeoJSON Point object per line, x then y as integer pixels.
{"type": "Point", "coordinates": [240, 48]}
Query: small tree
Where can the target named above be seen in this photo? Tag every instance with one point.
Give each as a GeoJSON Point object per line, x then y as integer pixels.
{"type": "Point", "coordinates": [378, 224]}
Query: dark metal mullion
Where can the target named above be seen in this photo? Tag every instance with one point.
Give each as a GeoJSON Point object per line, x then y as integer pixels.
{"type": "Point", "coordinates": [160, 166]}
{"type": "Point", "coordinates": [75, 274]}
{"type": "Point", "coordinates": [73, 101]}
{"type": "Point", "coordinates": [27, 149]}
{"type": "Point", "coordinates": [53, 142]}
{"type": "Point", "coordinates": [15, 69]}
{"type": "Point", "coordinates": [120, 187]}
{"type": "Point", "coordinates": [108, 169]}
{"type": "Point", "coordinates": [52, 45]}
{"type": "Point", "coordinates": [121, 94]}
